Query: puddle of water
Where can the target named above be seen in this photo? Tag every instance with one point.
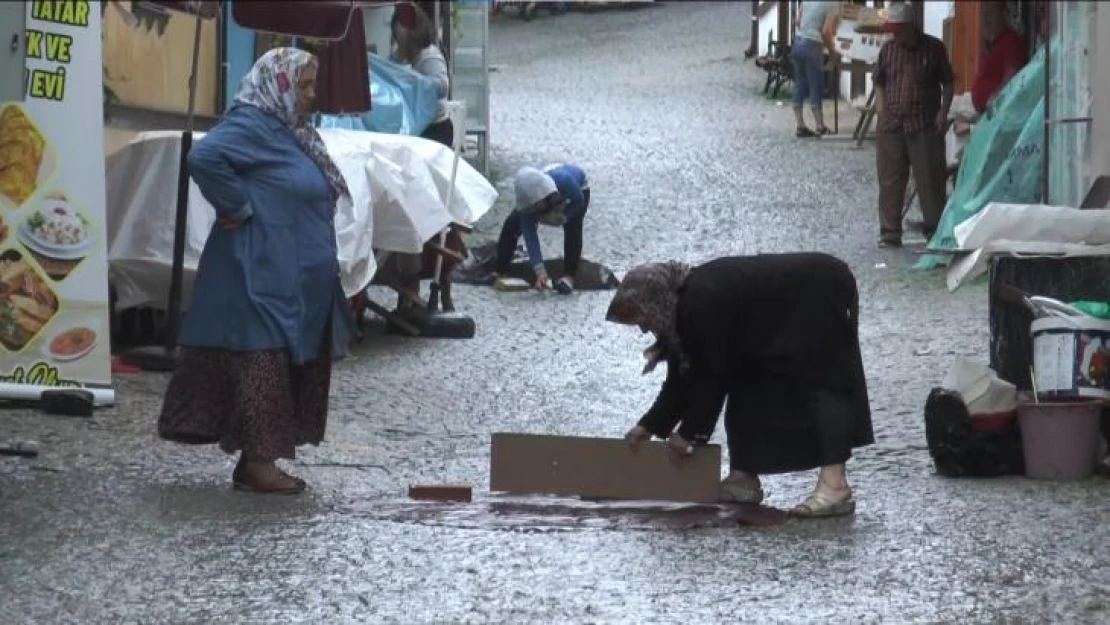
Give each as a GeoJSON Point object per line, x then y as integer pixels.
{"type": "Point", "coordinates": [560, 514]}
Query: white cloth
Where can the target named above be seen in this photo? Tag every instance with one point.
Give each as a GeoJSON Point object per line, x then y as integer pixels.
{"type": "Point", "coordinates": [1026, 230]}
{"type": "Point", "coordinates": [399, 187]}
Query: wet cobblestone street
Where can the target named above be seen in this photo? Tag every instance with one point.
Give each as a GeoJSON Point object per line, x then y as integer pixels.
{"type": "Point", "coordinates": [686, 160]}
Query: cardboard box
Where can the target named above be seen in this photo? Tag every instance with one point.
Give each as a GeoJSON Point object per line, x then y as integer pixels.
{"type": "Point", "coordinates": [601, 468]}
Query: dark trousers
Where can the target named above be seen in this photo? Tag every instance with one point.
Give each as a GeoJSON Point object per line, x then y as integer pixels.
{"type": "Point", "coordinates": [441, 132]}
{"type": "Point", "coordinates": [572, 240]}
{"type": "Point", "coordinates": [897, 154]}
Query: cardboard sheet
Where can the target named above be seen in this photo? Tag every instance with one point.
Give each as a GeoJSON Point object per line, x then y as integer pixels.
{"type": "Point", "coordinates": [601, 468]}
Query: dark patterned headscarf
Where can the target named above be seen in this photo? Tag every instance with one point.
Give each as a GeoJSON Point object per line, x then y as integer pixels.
{"type": "Point", "coordinates": [648, 296]}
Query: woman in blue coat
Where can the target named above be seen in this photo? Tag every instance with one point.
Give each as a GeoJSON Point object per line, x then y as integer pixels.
{"type": "Point", "coordinates": [268, 313]}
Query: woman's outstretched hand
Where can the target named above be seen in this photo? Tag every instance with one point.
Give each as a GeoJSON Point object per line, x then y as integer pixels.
{"type": "Point", "coordinates": [636, 437]}
{"type": "Point", "coordinates": [679, 448]}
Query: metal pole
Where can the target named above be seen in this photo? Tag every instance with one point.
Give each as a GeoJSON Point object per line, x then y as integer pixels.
{"type": "Point", "coordinates": [753, 49]}
{"type": "Point", "coordinates": [182, 216]}
{"type": "Point", "coordinates": [1046, 151]}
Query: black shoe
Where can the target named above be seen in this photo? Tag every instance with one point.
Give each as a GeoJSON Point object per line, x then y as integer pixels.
{"type": "Point", "coordinates": [563, 286]}
{"type": "Point", "coordinates": [804, 133]}
{"type": "Point", "coordinates": [890, 242]}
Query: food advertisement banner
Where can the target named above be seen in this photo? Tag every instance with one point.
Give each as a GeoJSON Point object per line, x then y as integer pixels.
{"type": "Point", "coordinates": [54, 323]}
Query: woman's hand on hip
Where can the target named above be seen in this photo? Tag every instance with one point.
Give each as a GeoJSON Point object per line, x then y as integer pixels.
{"type": "Point", "coordinates": [636, 437]}
{"type": "Point", "coordinates": [679, 448]}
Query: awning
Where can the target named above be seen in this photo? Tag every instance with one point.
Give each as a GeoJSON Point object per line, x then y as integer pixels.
{"type": "Point", "coordinates": [204, 9]}
{"type": "Point", "coordinates": [317, 19]}
{"type": "Point", "coordinates": [343, 79]}
{"type": "Point", "coordinates": [343, 85]}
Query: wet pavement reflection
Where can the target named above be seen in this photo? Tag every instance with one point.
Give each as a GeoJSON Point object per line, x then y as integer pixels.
{"type": "Point", "coordinates": [686, 161]}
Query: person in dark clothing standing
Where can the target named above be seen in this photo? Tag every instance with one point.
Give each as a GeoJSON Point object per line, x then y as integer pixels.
{"type": "Point", "coordinates": [776, 337]}
{"type": "Point", "coordinates": [913, 77]}
{"type": "Point", "coordinates": [559, 195]}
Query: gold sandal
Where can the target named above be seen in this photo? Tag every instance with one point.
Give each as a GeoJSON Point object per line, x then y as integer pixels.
{"type": "Point", "coordinates": [820, 505]}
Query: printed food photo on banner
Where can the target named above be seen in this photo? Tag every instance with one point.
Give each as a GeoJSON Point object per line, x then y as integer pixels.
{"type": "Point", "coordinates": [26, 161]}
{"type": "Point", "coordinates": [27, 303]}
{"type": "Point", "coordinates": [54, 302]}
{"type": "Point", "coordinates": [70, 343]}
{"type": "Point", "coordinates": [57, 235]}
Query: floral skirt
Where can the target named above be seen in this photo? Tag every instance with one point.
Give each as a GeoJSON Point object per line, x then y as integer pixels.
{"type": "Point", "coordinates": [254, 402]}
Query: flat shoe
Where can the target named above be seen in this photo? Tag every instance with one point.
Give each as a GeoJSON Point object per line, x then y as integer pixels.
{"type": "Point", "coordinates": [734, 490]}
{"type": "Point", "coordinates": [284, 485]}
{"type": "Point", "coordinates": [240, 469]}
{"type": "Point", "coordinates": [732, 493]}
{"type": "Point", "coordinates": [563, 287]}
{"type": "Point", "coordinates": [240, 480]}
{"type": "Point", "coordinates": [820, 505]}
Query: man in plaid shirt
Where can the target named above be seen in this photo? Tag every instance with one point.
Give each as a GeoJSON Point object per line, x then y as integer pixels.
{"type": "Point", "coordinates": [913, 77]}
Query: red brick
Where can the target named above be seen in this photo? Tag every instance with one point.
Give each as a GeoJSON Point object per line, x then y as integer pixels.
{"type": "Point", "coordinates": [440, 492]}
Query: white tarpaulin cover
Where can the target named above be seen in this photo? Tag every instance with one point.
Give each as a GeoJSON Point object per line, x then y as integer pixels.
{"type": "Point", "coordinates": [399, 186]}
{"type": "Point", "coordinates": [1027, 230]}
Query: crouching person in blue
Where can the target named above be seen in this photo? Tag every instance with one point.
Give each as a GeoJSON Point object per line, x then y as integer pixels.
{"type": "Point", "coordinates": [559, 195]}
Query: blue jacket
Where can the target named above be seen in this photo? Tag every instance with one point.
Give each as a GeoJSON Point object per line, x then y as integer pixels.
{"type": "Point", "coordinates": [571, 182]}
{"type": "Point", "coordinates": [272, 282]}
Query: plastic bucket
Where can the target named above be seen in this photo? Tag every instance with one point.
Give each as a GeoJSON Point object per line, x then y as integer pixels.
{"type": "Point", "coordinates": [1071, 357]}
{"type": "Point", "coordinates": [1060, 439]}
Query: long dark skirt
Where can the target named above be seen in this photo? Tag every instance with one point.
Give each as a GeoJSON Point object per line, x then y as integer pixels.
{"type": "Point", "coordinates": [254, 402]}
{"type": "Point", "coordinates": [779, 427]}
{"type": "Point", "coordinates": [778, 424]}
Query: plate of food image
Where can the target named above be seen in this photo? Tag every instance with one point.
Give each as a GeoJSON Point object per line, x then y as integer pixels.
{"type": "Point", "coordinates": [27, 161]}
{"type": "Point", "coordinates": [56, 230]}
{"type": "Point", "coordinates": [70, 343]}
{"type": "Point", "coordinates": [27, 303]}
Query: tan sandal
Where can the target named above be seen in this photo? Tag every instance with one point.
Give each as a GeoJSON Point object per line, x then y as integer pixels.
{"type": "Point", "coordinates": [821, 505]}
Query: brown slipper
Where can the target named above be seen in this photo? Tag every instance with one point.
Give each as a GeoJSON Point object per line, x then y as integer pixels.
{"type": "Point", "coordinates": [286, 484]}
{"type": "Point", "coordinates": [240, 468]}
{"type": "Point", "coordinates": [296, 479]}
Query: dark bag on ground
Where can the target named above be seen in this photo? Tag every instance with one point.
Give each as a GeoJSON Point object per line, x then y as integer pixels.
{"type": "Point", "coordinates": [960, 451]}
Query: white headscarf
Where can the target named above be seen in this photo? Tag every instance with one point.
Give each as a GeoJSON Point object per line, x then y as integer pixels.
{"type": "Point", "coordinates": [532, 187]}
{"type": "Point", "coordinates": [270, 86]}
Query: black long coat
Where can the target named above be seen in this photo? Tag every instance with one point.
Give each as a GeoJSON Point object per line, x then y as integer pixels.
{"type": "Point", "coordinates": [777, 336]}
